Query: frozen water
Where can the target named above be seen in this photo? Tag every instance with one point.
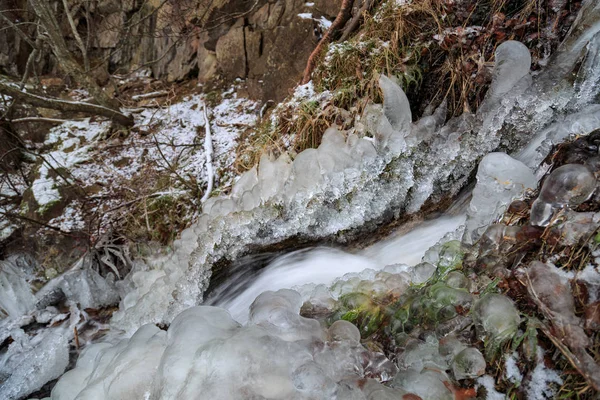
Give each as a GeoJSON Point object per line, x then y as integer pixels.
{"type": "Point", "coordinates": [496, 317]}
{"type": "Point", "coordinates": [469, 363]}
{"type": "Point", "coordinates": [553, 290]}
{"type": "Point", "coordinates": [500, 179]}
{"type": "Point", "coordinates": [278, 355]}
{"type": "Point", "coordinates": [567, 186]}
{"type": "Point", "coordinates": [395, 107]}
{"type": "Point", "coordinates": [16, 297]}
{"type": "Point", "coordinates": [427, 384]}
{"type": "Point", "coordinates": [31, 362]}
{"type": "Point", "coordinates": [512, 64]}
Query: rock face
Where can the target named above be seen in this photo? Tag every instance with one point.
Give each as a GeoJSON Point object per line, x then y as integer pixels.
{"type": "Point", "coordinates": [265, 42]}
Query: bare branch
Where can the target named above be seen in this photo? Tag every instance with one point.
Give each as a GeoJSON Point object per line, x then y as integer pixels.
{"type": "Point", "coordinates": [64, 105]}
{"type": "Point", "coordinates": [86, 63]}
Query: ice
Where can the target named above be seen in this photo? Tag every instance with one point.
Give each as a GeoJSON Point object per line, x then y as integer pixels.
{"type": "Point", "coordinates": [306, 173]}
{"type": "Point", "coordinates": [512, 64]}
{"type": "Point", "coordinates": [469, 363]}
{"type": "Point", "coordinates": [427, 384]}
{"type": "Point", "coordinates": [344, 331]}
{"type": "Point", "coordinates": [500, 179]}
{"type": "Point", "coordinates": [273, 175]}
{"type": "Point", "coordinates": [496, 317]}
{"type": "Point", "coordinates": [87, 288]}
{"type": "Point", "coordinates": [31, 362]}
{"type": "Point", "coordinates": [125, 370]}
{"type": "Point", "coordinates": [553, 290]}
{"type": "Point", "coordinates": [567, 186]}
{"type": "Point", "coordinates": [16, 297]}
{"type": "Point", "coordinates": [397, 120]}
{"type": "Point", "coordinates": [277, 355]}
{"type": "Point", "coordinates": [321, 200]}
{"type": "Point", "coordinates": [395, 105]}
{"type": "Point", "coordinates": [245, 183]}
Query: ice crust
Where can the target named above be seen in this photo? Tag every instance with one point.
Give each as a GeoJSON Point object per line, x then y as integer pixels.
{"type": "Point", "coordinates": [500, 179]}
{"type": "Point", "coordinates": [385, 166]}
{"type": "Point", "coordinates": [16, 297]}
{"type": "Point", "coordinates": [206, 354]}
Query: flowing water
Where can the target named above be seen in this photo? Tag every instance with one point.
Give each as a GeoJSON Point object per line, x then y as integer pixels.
{"type": "Point", "coordinates": [321, 266]}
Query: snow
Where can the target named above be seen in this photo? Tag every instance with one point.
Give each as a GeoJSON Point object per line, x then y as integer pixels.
{"type": "Point", "coordinates": [591, 276]}
{"type": "Point", "coordinates": [488, 383]}
{"type": "Point", "coordinates": [538, 387]}
{"type": "Point", "coordinates": [511, 369]}
{"type": "Point", "coordinates": [162, 138]}
{"type": "Point", "coordinates": [70, 220]}
{"type": "Point", "coordinates": [323, 22]}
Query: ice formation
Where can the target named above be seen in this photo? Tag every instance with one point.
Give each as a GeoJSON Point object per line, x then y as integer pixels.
{"type": "Point", "coordinates": [512, 63]}
{"type": "Point", "coordinates": [500, 178]}
{"type": "Point", "coordinates": [31, 362]}
{"type": "Point", "coordinates": [567, 186]}
{"type": "Point", "coordinates": [277, 355]}
{"type": "Point", "coordinates": [496, 317]}
{"type": "Point", "coordinates": [16, 297]}
{"type": "Point", "coordinates": [385, 166]}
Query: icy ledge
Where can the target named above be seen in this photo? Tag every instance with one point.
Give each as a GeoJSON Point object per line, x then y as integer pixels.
{"type": "Point", "coordinates": [384, 167]}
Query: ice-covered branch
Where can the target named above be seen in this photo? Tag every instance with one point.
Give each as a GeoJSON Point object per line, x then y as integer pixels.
{"type": "Point", "coordinates": [208, 149]}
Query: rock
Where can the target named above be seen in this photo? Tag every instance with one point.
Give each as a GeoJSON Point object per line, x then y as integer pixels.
{"type": "Point", "coordinates": [230, 52]}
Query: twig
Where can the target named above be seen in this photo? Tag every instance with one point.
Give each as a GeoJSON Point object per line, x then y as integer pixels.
{"type": "Point", "coordinates": [76, 335]}
{"type": "Point", "coordinates": [208, 149]}
{"type": "Point", "coordinates": [33, 221]}
{"type": "Point", "coordinates": [343, 16]}
{"type": "Point", "coordinates": [39, 119]}
{"type": "Point", "coordinates": [151, 95]}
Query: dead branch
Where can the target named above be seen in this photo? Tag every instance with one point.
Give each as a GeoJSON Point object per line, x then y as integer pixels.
{"type": "Point", "coordinates": [63, 105]}
{"type": "Point", "coordinates": [80, 44]}
{"type": "Point", "coordinates": [343, 16]}
{"type": "Point", "coordinates": [39, 119]}
{"type": "Point", "coordinates": [152, 95]}
{"type": "Point", "coordinates": [67, 61]}
{"type": "Point", "coordinates": [33, 221]}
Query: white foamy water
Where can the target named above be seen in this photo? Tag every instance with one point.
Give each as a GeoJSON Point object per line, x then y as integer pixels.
{"type": "Point", "coordinates": [324, 265]}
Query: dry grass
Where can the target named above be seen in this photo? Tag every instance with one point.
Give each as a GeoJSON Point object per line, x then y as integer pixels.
{"type": "Point", "coordinates": [436, 49]}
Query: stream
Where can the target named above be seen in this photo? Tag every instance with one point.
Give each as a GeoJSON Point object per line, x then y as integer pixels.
{"type": "Point", "coordinates": [307, 324]}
